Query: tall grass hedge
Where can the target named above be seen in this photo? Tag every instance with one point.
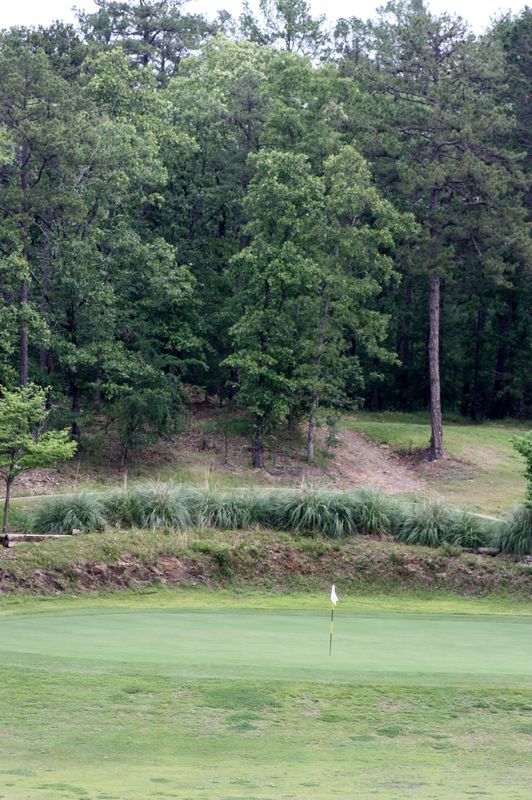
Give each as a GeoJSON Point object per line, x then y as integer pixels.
{"type": "Point", "coordinates": [515, 532]}
{"type": "Point", "coordinates": [307, 511]}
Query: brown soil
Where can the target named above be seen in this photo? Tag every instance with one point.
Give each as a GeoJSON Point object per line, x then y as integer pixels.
{"type": "Point", "coordinates": [358, 462]}
{"type": "Point", "coordinates": [364, 564]}
{"type": "Point", "coordinates": [355, 462]}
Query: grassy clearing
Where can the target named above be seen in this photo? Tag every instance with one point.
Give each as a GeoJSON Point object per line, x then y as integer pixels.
{"type": "Point", "coordinates": [212, 696]}
{"type": "Point", "coordinates": [490, 480]}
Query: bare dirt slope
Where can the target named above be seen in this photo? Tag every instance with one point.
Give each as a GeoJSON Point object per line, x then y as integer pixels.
{"type": "Point", "coordinates": [358, 462]}
{"type": "Point", "coordinates": [199, 454]}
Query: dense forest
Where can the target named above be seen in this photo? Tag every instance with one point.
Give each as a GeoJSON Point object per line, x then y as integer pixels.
{"type": "Point", "coordinates": [289, 217]}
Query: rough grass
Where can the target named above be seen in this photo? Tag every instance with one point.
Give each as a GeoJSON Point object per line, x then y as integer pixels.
{"type": "Point", "coordinates": [253, 559]}
{"type": "Point", "coordinates": [489, 475]}
{"type": "Point", "coordinates": [267, 714]}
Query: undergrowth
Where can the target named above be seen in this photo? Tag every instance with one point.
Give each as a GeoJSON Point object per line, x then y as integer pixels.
{"type": "Point", "coordinates": [165, 506]}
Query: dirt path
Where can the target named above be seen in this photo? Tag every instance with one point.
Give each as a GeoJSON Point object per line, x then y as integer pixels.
{"type": "Point", "coordinates": [361, 462]}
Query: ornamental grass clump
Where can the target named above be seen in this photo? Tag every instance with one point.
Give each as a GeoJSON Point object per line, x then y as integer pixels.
{"type": "Point", "coordinates": [466, 531]}
{"type": "Point", "coordinates": [163, 505]}
{"type": "Point", "coordinates": [428, 524]}
{"type": "Point", "coordinates": [515, 532]}
{"type": "Point", "coordinates": [157, 506]}
{"type": "Point", "coordinates": [62, 515]}
{"type": "Point", "coordinates": [124, 508]}
{"type": "Point", "coordinates": [372, 514]}
{"type": "Point", "coordinates": [332, 514]}
{"type": "Point", "coordinates": [225, 510]}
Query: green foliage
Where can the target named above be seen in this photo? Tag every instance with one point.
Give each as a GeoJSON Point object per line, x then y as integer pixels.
{"type": "Point", "coordinates": [227, 510]}
{"type": "Point", "coordinates": [427, 524]}
{"type": "Point", "coordinates": [154, 507]}
{"type": "Point", "coordinates": [180, 209]}
{"type": "Point", "coordinates": [334, 515]}
{"type": "Point", "coordinates": [515, 533]}
{"type": "Point", "coordinates": [523, 445]}
{"type": "Point", "coordinates": [467, 531]}
{"type": "Point", "coordinates": [84, 511]}
{"type": "Point", "coordinates": [24, 442]}
{"type": "Point", "coordinates": [221, 553]}
{"type": "Point", "coordinates": [142, 414]}
{"type": "Point", "coordinates": [286, 24]}
{"type": "Point", "coordinates": [432, 524]}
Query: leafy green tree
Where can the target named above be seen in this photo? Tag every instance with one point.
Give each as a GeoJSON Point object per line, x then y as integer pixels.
{"type": "Point", "coordinates": [36, 114]}
{"type": "Point", "coordinates": [287, 24]}
{"type": "Point", "coordinates": [356, 246]}
{"type": "Point", "coordinates": [155, 33]}
{"type": "Point", "coordinates": [439, 154]}
{"type": "Point", "coordinates": [24, 442]}
{"type": "Point", "coordinates": [272, 272]}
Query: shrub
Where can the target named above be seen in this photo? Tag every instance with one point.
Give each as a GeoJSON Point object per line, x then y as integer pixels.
{"type": "Point", "coordinates": [160, 505]}
{"type": "Point", "coordinates": [58, 515]}
{"type": "Point", "coordinates": [466, 531]}
{"type": "Point", "coordinates": [373, 513]}
{"type": "Point", "coordinates": [515, 533]}
{"type": "Point", "coordinates": [310, 512]}
{"type": "Point", "coordinates": [226, 510]}
{"type": "Point", "coordinates": [427, 524]}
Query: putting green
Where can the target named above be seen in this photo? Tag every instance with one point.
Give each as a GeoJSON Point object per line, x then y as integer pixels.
{"type": "Point", "coordinates": [246, 704]}
{"type": "Point", "coordinates": [280, 645]}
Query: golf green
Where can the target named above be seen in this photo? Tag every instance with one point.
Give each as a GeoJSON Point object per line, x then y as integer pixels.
{"type": "Point", "coordinates": [246, 704]}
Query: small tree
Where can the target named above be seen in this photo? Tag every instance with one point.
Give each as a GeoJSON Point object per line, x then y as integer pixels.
{"type": "Point", "coordinates": [523, 445]}
{"type": "Point", "coordinates": [24, 442]}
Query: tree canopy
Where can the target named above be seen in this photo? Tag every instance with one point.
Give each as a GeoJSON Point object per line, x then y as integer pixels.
{"type": "Point", "coordinates": [292, 219]}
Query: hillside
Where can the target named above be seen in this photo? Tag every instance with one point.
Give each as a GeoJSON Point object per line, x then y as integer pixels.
{"type": "Point", "coordinates": [481, 472]}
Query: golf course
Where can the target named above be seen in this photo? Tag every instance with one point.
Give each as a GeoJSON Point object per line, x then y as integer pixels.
{"type": "Point", "coordinates": [265, 400]}
{"type": "Point", "coordinates": [217, 696]}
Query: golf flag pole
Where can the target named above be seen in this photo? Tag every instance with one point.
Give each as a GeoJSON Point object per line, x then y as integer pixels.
{"type": "Point", "coordinates": [334, 600]}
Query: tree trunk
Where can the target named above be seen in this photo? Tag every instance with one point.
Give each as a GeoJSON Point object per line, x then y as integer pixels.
{"type": "Point", "coordinates": [436, 439]}
{"type": "Point", "coordinates": [23, 339]}
{"type": "Point", "coordinates": [5, 520]}
{"type": "Point", "coordinates": [312, 426]}
{"type": "Point", "coordinates": [475, 413]}
{"type": "Point", "coordinates": [257, 457]}
{"type": "Point", "coordinates": [75, 406]}
{"type": "Point", "coordinates": [317, 361]}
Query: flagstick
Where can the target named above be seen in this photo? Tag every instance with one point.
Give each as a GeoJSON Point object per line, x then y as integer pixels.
{"type": "Point", "coordinates": [331, 629]}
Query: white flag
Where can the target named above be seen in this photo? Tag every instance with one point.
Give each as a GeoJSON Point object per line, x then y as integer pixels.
{"type": "Point", "coordinates": [334, 598]}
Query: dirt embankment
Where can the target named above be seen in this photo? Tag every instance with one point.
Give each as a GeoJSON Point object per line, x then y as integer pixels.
{"type": "Point", "coordinates": [275, 564]}
{"type": "Point", "coordinates": [355, 462]}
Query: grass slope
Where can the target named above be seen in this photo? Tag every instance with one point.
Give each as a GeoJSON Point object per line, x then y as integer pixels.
{"type": "Point", "coordinates": [203, 697]}
{"type": "Point", "coordinates": [490, 480]}
{"type": "Point", "coordinates": [259, 559]}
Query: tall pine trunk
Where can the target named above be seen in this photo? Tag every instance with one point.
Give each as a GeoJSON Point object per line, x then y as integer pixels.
{"type": "Point", "coordinates": [312, 425]}
{"type": "Point", "coordinates": [23, 336]}
{"type": "Point", "coordinates": [314, 402]}
{"type": "Point", "coordinates": [5, 519]}
{"type": "Point", "coordinates": [257, 454]}
{"type": "Point", "coordinates": [436, 439]}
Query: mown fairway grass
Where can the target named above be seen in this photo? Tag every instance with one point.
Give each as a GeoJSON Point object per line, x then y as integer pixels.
{"type": "Point", "coordinates": [490, 479]}
{"type": "Point", "coordinates": [213, 696]}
